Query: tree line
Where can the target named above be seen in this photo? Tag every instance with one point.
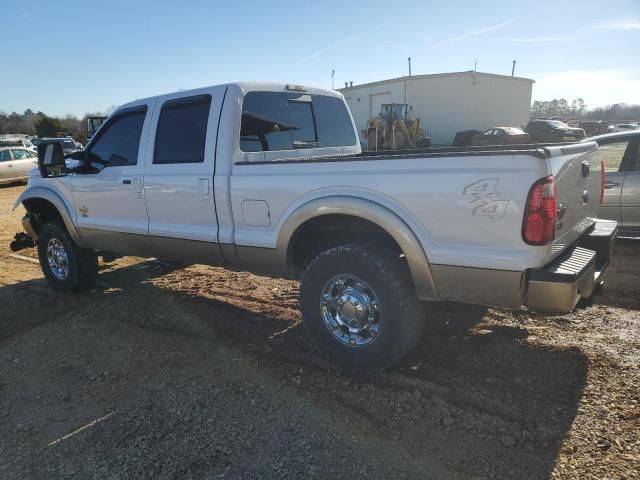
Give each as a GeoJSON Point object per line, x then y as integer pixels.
{"type": "Point", "coordinates": [42, 125]}
{"type": "Point", "coordinates": [578, 109]}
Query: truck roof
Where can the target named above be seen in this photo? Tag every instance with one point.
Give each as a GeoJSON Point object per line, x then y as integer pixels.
{"type": "Point", "coordinates": [248, 87]}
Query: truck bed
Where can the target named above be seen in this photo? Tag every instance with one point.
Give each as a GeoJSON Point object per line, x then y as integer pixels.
{"type": "Point", "coordinates": [533, 149]}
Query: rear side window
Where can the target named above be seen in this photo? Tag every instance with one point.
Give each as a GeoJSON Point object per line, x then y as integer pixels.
{"type": "Point", "coordinates": [5, 155]}
{"type": "Point", "coordinates": [286, 121]}
{"type": "Point", "coordinates": [182, 130]}
{"type": "Point", "coordinates": [119, 140]}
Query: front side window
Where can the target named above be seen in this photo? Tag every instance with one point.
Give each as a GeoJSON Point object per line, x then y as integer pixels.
{"type": "Point", "coordinates": [274, 121]}
{"type": "Point", "coordinates": [182, 130]}
{"type": "Point", "coordinates": [612, 154]}
{"type": "Point", "coordinates": [119, 141]}
{"type": "Point", "coordinates": [20, 154]}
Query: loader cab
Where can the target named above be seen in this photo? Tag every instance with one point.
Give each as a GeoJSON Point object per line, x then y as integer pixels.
{"type": "Point", "coordinates": [394, 111]}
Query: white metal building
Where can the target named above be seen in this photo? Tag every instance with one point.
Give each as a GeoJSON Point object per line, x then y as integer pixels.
{"type": "Point", "coordinates": [447, 102]}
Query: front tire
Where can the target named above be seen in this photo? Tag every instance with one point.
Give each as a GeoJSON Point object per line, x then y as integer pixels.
{"type": "Point", "coordinates": [66, 267]}
{"type": "Point", "coordinates": [359, 306]}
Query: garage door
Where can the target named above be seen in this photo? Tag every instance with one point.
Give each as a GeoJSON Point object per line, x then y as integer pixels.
{"type": "Point", "coordinates": [377, 100]}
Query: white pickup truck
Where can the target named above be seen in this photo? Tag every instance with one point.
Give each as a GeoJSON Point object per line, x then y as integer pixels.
{"type": "Point", "coordinates": [271, 179]}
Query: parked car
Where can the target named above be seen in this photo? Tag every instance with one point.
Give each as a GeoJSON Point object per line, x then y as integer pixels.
{"type": "Point", "coordinates": [594, 127]}
{"type": "Point", "coordinates": [68, 144]}
{"type": "Point", "coordinates": [625, 127]}
{"type": "Point", "coordinates": [620, 153]}
{"type": "Point", "coordinates": [16, 163]}
{"type": "Point", "coordinates": [463, 138]}
{"type": "Point", "coordinates": [553, 131]}
{"type": "Point", "coordinates": [500, 136]}
{"type": "Point", "coordinates": [16, 141]}
{"type": "Point", "coordinates": [271, 179]}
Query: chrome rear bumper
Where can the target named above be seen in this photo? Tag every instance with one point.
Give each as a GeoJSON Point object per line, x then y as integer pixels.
{"type": "Point", "coordinates": [557, 287]}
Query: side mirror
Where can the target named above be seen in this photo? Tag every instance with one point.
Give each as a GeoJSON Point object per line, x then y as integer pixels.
{"type": "Point", "coordinates": [51, 160]}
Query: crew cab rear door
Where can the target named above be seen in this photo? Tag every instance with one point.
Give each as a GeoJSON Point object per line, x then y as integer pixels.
{"type": "Point", "coordinates": [178, 176]}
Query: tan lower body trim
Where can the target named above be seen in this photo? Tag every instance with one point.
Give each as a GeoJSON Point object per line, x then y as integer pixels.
{"type": "Point", "coordinates": [498, 288]}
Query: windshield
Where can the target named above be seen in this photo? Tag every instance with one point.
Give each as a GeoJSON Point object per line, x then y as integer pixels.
{"type": "Point", "coordinates": [68, 144]}
{"type": "Point", "coordinates": [557, 124]}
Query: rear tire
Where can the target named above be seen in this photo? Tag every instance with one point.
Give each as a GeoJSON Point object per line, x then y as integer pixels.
{"type": "Point", "coordinates": [66, 267]}
{"type": "Point", "coordinates": [359, 306]}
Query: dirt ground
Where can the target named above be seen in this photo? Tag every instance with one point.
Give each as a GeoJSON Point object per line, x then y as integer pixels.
{"type": "Point", "coordinates": [194, 372]}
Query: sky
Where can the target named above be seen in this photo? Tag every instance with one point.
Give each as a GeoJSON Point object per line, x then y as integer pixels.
{"type": "Point", "coordinates": [73, 57]}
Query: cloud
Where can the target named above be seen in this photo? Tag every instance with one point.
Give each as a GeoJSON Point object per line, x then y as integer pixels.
{"type": "Point", "coordinates": [479, 31]}
{"type": "Point", "coordinates": [341, 43]}
{"type": "Point", "coordinates": [619, 24]}
{"type": "Point", "coordinates": [541, 39]}
{"type": "Point", "coordinates": [597, 87]}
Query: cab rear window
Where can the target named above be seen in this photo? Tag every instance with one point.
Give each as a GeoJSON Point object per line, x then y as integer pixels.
{"type": "Point", "coordinates": [274, 121]}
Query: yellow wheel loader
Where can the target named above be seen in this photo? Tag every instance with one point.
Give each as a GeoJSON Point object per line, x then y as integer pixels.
{"type": "Point", "coordinates": [392, 129]}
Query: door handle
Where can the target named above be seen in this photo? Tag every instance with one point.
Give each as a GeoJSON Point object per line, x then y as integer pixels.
{"type": "Point", "coordinates": [204, 190]}
{"type": "Point", "coordinates": [609, 185]}
{"type": "Point", "coordinates": [136, 186]}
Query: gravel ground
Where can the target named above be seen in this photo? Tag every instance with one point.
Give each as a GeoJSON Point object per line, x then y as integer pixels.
{"type": "Point", "coordinates": [167, 371]}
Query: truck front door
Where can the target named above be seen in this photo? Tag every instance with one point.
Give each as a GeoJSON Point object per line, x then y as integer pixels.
{"type": "Point", "coordinates": [109, 200]}
{"type": "Point", "coordinates": [178, 177]}
{"type": "Point", "coordinates": [622, 187]}
{"type": "Point", "coordinates": [630, 198]}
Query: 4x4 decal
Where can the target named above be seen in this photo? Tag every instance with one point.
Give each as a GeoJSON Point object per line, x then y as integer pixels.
{"type": "Point", "coordinates": [483, 195]}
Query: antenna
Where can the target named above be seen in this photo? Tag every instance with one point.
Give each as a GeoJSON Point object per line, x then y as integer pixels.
{"type": "Point", "coordinates": [513, 68]}
{"type": "Point", "coordinates": [409, 66]}
{"type": "Point", "coordinates": [475, 72]}
{"type": "Point", "coordinates": [333, 74]}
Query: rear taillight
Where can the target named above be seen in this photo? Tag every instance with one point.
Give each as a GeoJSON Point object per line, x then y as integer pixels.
{"type": "Point", "coordinates": [539, 223]}
{"type": "Point", "coordinates": [602, 177]}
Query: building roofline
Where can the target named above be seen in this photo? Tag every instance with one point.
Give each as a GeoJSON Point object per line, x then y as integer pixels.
{"type": "Point", "coordinates": [435, 75]}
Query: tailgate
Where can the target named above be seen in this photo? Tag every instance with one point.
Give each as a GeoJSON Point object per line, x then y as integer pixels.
{"type": "Point", "coordinates": [577, 172]}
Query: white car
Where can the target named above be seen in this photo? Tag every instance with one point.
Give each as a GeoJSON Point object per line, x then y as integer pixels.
{"type": "Point", "coordinates": [16, 163]}
{"type": "Point", "coordinates": [270, 178]}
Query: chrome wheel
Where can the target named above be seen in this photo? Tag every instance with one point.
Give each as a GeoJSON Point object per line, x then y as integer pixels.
{"type": "Point", "coordinates": [57, 259]}
{"type": "Point", "coordinates": [350, 310]}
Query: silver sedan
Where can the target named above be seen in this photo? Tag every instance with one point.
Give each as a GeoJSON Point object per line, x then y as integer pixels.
{"type": "Point", "coordinates": [16, 163]}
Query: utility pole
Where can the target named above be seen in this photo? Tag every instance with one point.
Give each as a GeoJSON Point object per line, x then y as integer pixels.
{"type": "Point", "coordinates": [409, 66]}
{"type": "Point", "coordinates": [333, 74]}
{"type": "Point", "coordinates": [513, 68]}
